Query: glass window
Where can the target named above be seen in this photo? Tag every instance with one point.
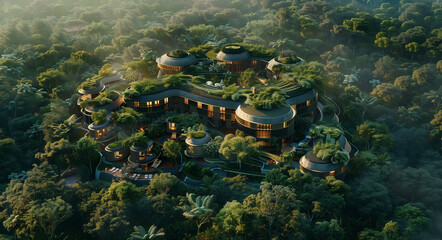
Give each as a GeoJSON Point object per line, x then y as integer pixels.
{"type": "Point", "coordinates": [186, 101]}
{"type": "Point", "coordinates": [136, 104]}
{"type": "Point", "coordinates": [118, 154]}
{"type": "Point", "coordinates": [222, 112]}
{"type": "Point", "coordinates": [209, 110]}
{"type": "Point", "coordinates": [149, 104]}
{"type": "Point", "coordinates": [200, 105]}
{"type": "Point", "coordinates": [309, 102]}
{"type": "Point", "coordinates": [157, 103]}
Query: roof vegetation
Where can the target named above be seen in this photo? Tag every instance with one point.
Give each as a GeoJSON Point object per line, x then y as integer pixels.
{"type": "Point", "coordinates": [271, 97]}
{"type": "Point", "coordinates": [177, 54]}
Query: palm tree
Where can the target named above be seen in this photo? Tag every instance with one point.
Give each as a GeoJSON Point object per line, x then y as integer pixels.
{"type": "Point", "coordinates": [141, 233]}
{"type": "Point", "coordinates": [198, 209]}
{"type": "Point", "coordinates": [364, 101]}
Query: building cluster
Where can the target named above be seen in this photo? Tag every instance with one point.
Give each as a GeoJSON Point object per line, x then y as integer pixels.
{"type": "Point", "coordinates": [215, 112]}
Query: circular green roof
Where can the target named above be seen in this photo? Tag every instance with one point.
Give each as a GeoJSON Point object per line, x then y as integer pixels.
{"type": "Point", "coordinates": [177, 59]}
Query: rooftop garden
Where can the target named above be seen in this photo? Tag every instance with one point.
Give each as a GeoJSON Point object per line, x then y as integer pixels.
{"type": "Point", "coordinates": [177, 54]}
{"type": "Point", "coordinates": [90, 83]}
{"type": "Point", "coordinates": [271, 97]}
{"type": "Point", "coordinates": [330, 151]}
{"type": "Point", "coordinates": [185, 120]}
{"type": "Point", "coordinates": [103, 99]}
{"type": "Point", "coordinates": [198, 131]}
{"type": "Point", "coordinates": [233, 49]}
{"type": "Point", "coordinates": [137, 140]}
{"type": "Point", "coordinates": [144, 87]}
{"type": "Point", "coordinates": [99, 117]}
{"type": "Point", "coordinates": [115, 144]}
{"type": "Point", "coordinates": [200, 51]}
{"type": "Point", "coordinates": [321, 131]}
{"type": "Point", "coordinates": [288, 57]}
{"type": "Point", "coordinates": [259, 51]}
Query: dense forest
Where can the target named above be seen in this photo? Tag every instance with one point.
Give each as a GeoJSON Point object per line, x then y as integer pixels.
{"type": "Point", "coordinates": [378, 61]}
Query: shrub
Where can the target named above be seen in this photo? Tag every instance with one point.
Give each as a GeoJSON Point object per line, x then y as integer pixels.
{"type": "Point", "coordinates": [99, 117]}
{"type": "Point", "coordinates": [233, 49]}
{"type": "Point", "coordinates": [90, 83]}
{"type": "Point", "coordinates": [144, 87]}
{"type": "Point", "coordinates": [115, 144]}
{"type": "Point", "coordinates": [137, 140]}
{"type": "Point", "coordinates": [270, 98]}
{"type": "Point", "coordinates": [177, 54]}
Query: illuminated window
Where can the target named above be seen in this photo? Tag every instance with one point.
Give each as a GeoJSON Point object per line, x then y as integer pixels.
{"type": "Point", "coordinates": [286, 124]}
{"type": "Point", "coordinates": [343, 169]}
{"type": "Point", "coordinates": [309, 102]}
{"type": "Point", "coordinates": [209, 110]}
{"type": "Point", "coordinates": [263, 134]}
{"type": "Point", "coordinates": [142, 155]}
{"type": "Point", "coordinates": [136, 104]}
{"type": "Point", "coordinates": [190, 149]}
{"type": "Point", "coordinates": [294, 106]}
{"type": "Point", "coordinates": [222, 112]}
{"type": "Point", "coordinates": [186, 101]}
{"type": "Point", "coordinates": [172, 126]}
{"type": "Point", "coordinates": [166, 103]}
{"type": "Point", "coordinates": [263, 126]}
{"type": "Point", "coordinates": [157, 103]}
{"type": "Point", "coordinates": [118, 154]}
{"type": "Point", "coordinates": [333, 173]}
{"type": "Point", "coordinates": [232, 117]}
{"type": "Point", "coordinates": [200, 105]}
{"type": "Point", "coordinates": [149, 104]}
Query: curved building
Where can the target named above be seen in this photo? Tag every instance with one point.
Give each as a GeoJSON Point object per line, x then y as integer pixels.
{"type": "Point", "coordinates": [234, 57]}
{"type": "Point", "coordinates": [175, 61]}
{"type": "Point", "coordinates": [286, 59]}
{"type": "Point", "coordinates": [265, 124]}
{"type": "Point", "coordinates": [312, 164]}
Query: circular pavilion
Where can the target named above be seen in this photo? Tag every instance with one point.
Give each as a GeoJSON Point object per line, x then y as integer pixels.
{"type": "Point", "coordinates": [286, 58]}
{"type": "Point", "coordinates": [235, 58]}
{"type": "Point", "coordinates": [265, 124]}
{"type": "Point", "coordinates": [175, 61]}
{"type": "Point", "coordinates": [312, 164]}
{"type": "Point", "coordinates": [195, 146]}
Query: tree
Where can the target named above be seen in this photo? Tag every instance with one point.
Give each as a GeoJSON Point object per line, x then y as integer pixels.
{"type": "Point", "coordinates": [140, 233]}
{"type": "Point", "coordinates": [247, 78]}
{"type": "Point", "coordinates": [108, 221]}
{"type": "Point", "coordinates": [365, 101]}
{"type": "Point", "coordinates": [374, 136]}
{"type": "Point", "coordinates": [172, 150]}
{"type": "Point", "coordinates": [99, 117]}
{"type": "Point", "coordinates": [166, 183]}
{"type": "Point", "coordinates": [129, 118]}
{"type": "Point", "coordinates": [57, 154]}
{"type": "Point", "coordinates": [50, 79]}
{"type": "Point", "coordinates": [386, 69]}
{"type": "Point", "coordinates": [277, 208]}
{"type": "Point", "coordinates": [387, 93]}
{"type": "Point", "coordinates": [328, 230]}
{"type": "Point", "coordinates": [198, 209]}
{"type": "Point", "coordinates": [242, 147]}
{"type": "Point", "coordinates": [85, 153]}
{"type": "Point", "coordinates": [50, 214]}
{"type": "Point", "coordinates": [41, 184]}
{"type": "Point", "coordinates": [412, 220]}
{"type": "Point", "coordinates": [412, 48]}
{"type": "Point", "coordinates": [369, 197]}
